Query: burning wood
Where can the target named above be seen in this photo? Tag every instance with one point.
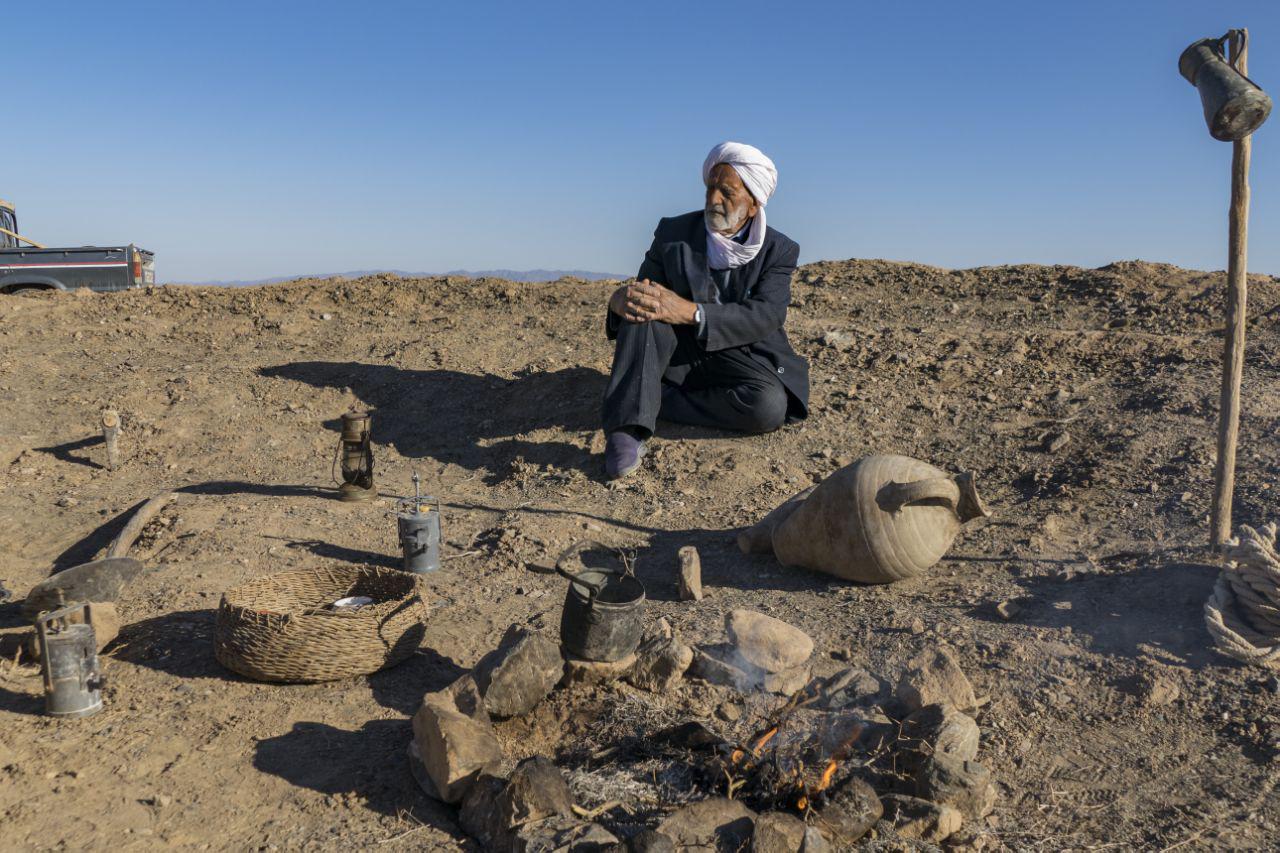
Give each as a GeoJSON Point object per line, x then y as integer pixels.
{"type": "Point", "coordinates": [775, 768]}
{"type": "Point", "coordinates": [738, 754]}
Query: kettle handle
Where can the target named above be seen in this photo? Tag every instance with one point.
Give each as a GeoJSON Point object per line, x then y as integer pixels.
{"type": "Point", "coordinates": [894, 496]}
{"type": "Point", "coordinates": [573, 551]}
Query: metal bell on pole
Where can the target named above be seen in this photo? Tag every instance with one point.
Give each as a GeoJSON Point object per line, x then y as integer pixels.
{"type": "Point", "coordinates": [1234, 106]}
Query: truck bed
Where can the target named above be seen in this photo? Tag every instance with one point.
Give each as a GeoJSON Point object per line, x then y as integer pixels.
{"type": "Point", "coordinates": [100, 268]}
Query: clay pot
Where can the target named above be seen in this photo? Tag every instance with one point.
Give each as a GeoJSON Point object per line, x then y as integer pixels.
{"type": "Point", "coordinates": [881, 519]}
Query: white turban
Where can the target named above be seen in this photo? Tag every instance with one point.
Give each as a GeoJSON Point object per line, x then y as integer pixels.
{"type": "Point", "coordinates": [760, 177]}
{"type": "Point", "coordinates": [756, 170]}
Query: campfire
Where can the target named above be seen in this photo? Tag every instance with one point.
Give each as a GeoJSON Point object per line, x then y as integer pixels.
{"type": "Point", "coordinates": [789, 766]}
{"type": "Point", "coordinates": [840, 758]}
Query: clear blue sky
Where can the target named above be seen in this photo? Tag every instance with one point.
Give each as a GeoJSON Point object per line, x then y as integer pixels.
{"type": "Point", "coordinates": [246, 140]}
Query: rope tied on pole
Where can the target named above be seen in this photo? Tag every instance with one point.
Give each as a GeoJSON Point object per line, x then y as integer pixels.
{"type": "Point", "coordinates": [1243, 614]}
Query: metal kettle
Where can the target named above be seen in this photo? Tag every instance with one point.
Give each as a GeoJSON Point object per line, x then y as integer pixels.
{"type": "Point", "coordinates": [1234, 106]}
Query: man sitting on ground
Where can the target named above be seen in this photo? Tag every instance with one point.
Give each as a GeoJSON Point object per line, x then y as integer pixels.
{"type": "Point", "coordinates": [699, 332]}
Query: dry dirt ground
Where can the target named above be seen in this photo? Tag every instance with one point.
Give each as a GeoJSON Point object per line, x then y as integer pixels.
{"type": "Point", "coordinates": [1110, 722]}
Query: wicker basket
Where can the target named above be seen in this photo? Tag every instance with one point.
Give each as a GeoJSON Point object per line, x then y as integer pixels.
{"type": "Point", "coordinates": [279, 627]}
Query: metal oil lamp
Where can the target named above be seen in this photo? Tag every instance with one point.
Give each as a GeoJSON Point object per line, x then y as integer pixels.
{"type": "Point", "coordinates": [69, 659]}
{"type": "Point", "coordinates": [419, 529]}
{"type": "Point", "coordinates": [356, 456]}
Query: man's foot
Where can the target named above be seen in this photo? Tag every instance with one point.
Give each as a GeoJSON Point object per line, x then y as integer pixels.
{"type": "Point", "coordinates": [622, 453]}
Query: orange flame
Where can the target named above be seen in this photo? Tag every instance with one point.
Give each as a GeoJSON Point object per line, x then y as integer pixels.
{"type": "Point", "coordinates": [827, 774]}
{"type": "Point", "coordinates": [738, 754]}
{"type": "Point", "coordinates": [763, 739]}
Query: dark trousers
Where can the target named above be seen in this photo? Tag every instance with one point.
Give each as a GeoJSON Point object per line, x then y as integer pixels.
{"type": "Point", "coordinates": [662, 371]}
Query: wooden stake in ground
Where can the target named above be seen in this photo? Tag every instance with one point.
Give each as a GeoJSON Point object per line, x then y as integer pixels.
{"type": "Point", "coordinates": [1224, 475]}
{"type": "Point", "coordinates": [110, 433]}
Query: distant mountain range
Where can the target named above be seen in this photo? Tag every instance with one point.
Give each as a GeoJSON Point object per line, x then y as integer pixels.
{"type": "Point", "coordinates": [510, 275]}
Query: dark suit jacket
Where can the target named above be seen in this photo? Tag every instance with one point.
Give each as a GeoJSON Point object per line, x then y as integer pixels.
{"type": "Point", "coordinates": [755, 303]}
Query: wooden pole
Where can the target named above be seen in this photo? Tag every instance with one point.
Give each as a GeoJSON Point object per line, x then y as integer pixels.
{"type": "Point", "coordinates": [110, 434]}
{"type": "Point", "coordinates": [1224, 474]}
{"type": "Point", "coordinates": [23, 239]}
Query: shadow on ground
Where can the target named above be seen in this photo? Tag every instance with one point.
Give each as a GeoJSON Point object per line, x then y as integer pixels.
{"type": "Point", "coordinates": [87, 547]}
{"type": "Point", "coordinates": [236, 487]}
{"type": "Point", "coordinates": [179, 643]}
{"type": "Point", "coordinates": [22, 703]}
{"type": "Point", "coordinates": [401, 687]}
{"type": "Point", "coordinates": [62, 452]}
{"type": "Point", "coordinates": [1154, 609]}
{"type": "Point", "coordinates": [467, 419]}
{"type": "Point", "coordinates": [330, 551]}
{"type": "Point", "coordinates": [723, 564]}
{"type": "Point", "coordinates": [369, 763]}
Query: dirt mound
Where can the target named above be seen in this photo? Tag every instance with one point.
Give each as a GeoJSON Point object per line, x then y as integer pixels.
{"type": "Point", "coordinates": [1084, 400]}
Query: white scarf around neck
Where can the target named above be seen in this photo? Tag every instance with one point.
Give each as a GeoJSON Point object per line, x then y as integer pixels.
{"type": "Point", "coordinates": [725, 253]}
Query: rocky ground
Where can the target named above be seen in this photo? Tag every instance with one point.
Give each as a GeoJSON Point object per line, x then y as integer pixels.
{"type": "Point", "coordinates": [1084, 400]}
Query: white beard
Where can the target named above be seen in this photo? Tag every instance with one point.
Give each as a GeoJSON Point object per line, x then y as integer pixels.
{"type": "Point", "coordinates": [725, 253]}
{"type": "Point", "coordinates": [727, 223]}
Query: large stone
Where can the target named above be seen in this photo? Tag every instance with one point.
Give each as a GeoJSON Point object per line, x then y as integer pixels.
{"type": "Point", "coordinates": [661, 661]}
{"type": "Point", "coordinates": [101, 580]}
{"type": "Point", "coordinates": [920, 819]}
{"type": "Point", "coordinates": [958, 736]}
{"type": "Point", "coordinates": [581, 671]}
{"type": "Point", "coordinates": [815, 841]}
{"type": "Point", "coordinates": [535, 791]}
{"type": "Point", "coordinates": [722, 665]}
{"type": "Point", "coordinates": [690, 574]}
{"type": "Point", "coordinates": [966, 785]}
{"type": "Point", "coordinates": [767, 643]}
{"type": "Point", "coordinates": [519, 674]}
{"type": "Point", "coordinates": [464, 693]}
{"type": "Point", "coordinates": [563, 835]}
{"type": "Point", "coordinates": [938, 729]}
{"type": "Point", "coordinates": [456, 741]}
{"type": "Point", "coordinates": [851, 810]}
{"type": "Point", "coordinates": [419, 771]}
{"type": "Point", "coordinates": [879, 733]}
{"type": "Point", "coordinates": [717, 665]}
{"type": "Point", "coordinates": [496, 812]}
{"type": "Point", "coordinates": [478, 814]}
{"type": "Point", "coordinates": [716, 824]}
{"type": "Point", "coordinates": [778, 832]}
{"type": "Point", "coordinates": [788, 681]}
{"type": "Point", "coordinates": [852, 687]}
{"type": "Point", "coordinates": [935, 678]}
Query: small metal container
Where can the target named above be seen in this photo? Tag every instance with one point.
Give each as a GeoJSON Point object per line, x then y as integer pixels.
{"type": "Point", "coordinates": [68, 653]}
{"type": "Point", "coordinates": [418, 523]}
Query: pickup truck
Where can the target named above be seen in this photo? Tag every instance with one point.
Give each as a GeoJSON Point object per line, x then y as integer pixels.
{"type": "Point", "coordinates": [36, 267]}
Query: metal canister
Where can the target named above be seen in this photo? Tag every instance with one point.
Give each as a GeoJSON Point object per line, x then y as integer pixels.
{"type": "Point", "coordinates": [68, 654]}
{"type": "Point", "coordinates": [418, 523]}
